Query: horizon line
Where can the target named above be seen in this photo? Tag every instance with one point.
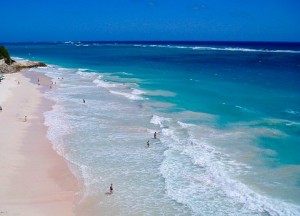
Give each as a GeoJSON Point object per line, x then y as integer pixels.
{"type": "Point", "coordinates": [151, 41]}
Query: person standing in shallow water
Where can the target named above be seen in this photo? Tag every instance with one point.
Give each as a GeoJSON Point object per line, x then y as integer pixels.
{"type": "Point", "coordinates": [148, 144]}
{"type": "Point", "coordinates": [155, 135]}
{"type": "Point", "coordinates": [111, 188]}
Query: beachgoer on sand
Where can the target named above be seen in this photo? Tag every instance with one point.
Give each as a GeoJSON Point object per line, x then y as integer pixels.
{"type": "Point", "coordinates": [25, 119]}
{"type": "Point", "coordinates": [0, 108]}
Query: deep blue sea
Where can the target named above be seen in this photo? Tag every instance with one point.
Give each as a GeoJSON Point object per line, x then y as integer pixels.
{"type": "Point", "coordinates": [227, 117]}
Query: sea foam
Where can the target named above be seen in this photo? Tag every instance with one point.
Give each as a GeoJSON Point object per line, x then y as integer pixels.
{"type": "Point", "coordinates": [213, 176]}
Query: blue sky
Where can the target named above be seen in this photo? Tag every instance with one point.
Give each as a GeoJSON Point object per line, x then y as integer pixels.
{"type": "Point", "coordinates": [225, 20]}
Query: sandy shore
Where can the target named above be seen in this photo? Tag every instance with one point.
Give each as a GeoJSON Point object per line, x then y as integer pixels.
{"type": "Point", "coordinates": [34, 179]}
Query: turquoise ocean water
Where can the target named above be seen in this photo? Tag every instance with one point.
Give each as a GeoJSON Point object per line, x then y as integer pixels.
{"type": "Point", "coordinates": [227, 117]}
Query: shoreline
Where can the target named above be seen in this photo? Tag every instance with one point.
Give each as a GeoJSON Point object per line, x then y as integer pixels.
{"type": "Point", "coordinates": [35, 179]}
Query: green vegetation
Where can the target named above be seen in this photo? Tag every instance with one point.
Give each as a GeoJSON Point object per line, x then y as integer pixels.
{"type": "Point", "coordinates": [5, 55]}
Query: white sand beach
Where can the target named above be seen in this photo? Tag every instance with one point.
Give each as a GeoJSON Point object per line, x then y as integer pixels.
{"type": "Point", "coordinates": [34, 179]}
